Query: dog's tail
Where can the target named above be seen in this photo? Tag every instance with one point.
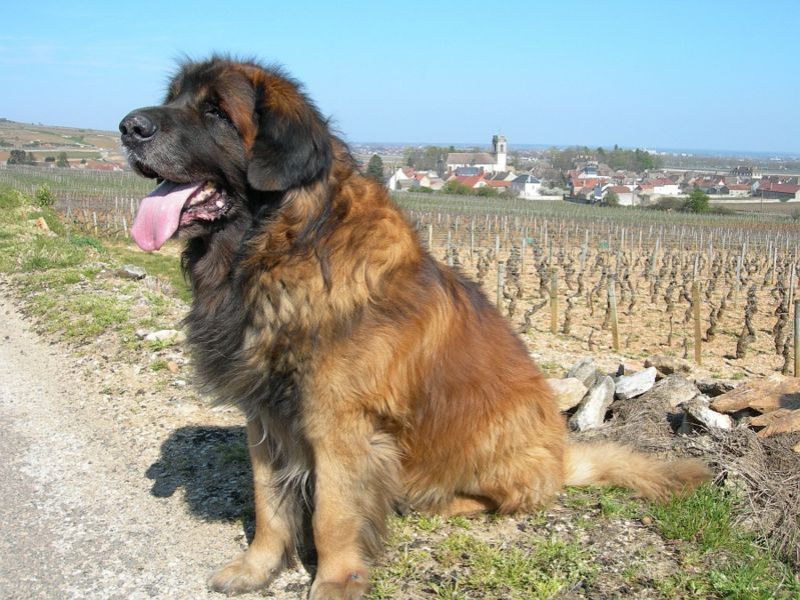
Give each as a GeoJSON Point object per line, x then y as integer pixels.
{"type": "Point", "coordinates": [648, 476]}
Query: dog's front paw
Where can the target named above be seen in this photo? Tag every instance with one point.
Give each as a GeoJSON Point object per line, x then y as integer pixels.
{"type": "Point", "coordinates": [354, 588]}
{"type": "Point", "coordinates": [243, 574]}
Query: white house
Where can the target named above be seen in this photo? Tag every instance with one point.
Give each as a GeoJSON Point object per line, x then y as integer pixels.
{"type": "Point", "coordinates": [740, 190]}
{"type": "Point", "coordinates": [400, 179]}
{"type": "Point", "coordinates": [665, 187]}
{"type": "Point", "coordinates": [488, 162]}
{"type": "Point", "coordinates": [527, 187]}
{"type": "Point", "coordinates": [624, 194]}
{"type": "Point", "coordinates": [428, 179]}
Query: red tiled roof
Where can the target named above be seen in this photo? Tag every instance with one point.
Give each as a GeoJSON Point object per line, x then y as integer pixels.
{"type": "Point", "coordinates": [589, 182]}
{"type": "Point", "coordinates": [470, 180]}
{"type": "Point", "coordinates": [495, 183]}
{"type": "Point", "coordinates": [784, 188]}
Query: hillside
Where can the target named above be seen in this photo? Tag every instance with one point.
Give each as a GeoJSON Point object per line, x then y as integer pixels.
{"type": "Point", "coordinates": [50, 140]}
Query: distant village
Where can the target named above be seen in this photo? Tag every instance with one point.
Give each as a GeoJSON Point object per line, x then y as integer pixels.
{"type": "Point", "coordinates": [473, 171]}
{"type": "Point", "coordinates": [589, 181]}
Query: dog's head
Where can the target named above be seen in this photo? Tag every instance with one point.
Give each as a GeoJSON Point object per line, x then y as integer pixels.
{"type": "Point", "coordinates": [226, 132]}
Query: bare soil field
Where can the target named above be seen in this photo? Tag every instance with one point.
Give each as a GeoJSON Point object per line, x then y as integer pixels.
{"type": "Point", "coordinates": [746, 280]}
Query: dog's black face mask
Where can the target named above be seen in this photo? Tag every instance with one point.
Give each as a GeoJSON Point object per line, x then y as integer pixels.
{"type": "Point", "coordinates": [226, 133]}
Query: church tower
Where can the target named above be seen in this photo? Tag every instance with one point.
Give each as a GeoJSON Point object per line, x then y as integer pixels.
{"type": "Point", "coordinates": [500, 146]}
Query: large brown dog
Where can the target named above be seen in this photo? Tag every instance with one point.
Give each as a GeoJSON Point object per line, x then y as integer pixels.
{"type": "Point", "coordinates": [373, 378]}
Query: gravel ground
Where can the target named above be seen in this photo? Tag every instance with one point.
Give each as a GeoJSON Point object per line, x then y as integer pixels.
{"type": "Point", "coordinates": [96, 500]}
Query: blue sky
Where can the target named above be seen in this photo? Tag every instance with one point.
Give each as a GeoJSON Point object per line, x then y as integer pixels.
{"type": "Point", "coordinates": [702, 74]}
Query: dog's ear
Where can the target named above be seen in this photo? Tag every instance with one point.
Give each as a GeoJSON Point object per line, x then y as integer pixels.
{"type": "Point", "coordinates": [292, 146]}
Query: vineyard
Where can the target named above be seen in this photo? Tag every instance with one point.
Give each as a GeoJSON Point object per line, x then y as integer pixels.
{"type": "Point", "coordinates": [716, 290]}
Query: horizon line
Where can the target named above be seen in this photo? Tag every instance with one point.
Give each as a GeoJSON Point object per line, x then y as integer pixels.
{"type": "Point", "coordinates": [657, 148]}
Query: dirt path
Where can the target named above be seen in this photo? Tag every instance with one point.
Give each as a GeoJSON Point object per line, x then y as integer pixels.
{"type": "Point", "coordinates": [92, 502]}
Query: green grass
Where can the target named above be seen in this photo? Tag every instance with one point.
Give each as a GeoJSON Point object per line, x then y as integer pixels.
{"type": "Point", "coordinates": [539, 571]}
{"type": "Point", "coordinates": [44, 253]}
{"type": "Point", "coordinates": [159, 304]}
{"type": "Point", "coordinates": [51, 270]}
{"type": "Point", "coordinates": [728, 562]}
{"type": "Point", "coordinates": [720, 559]}
{"type": "Point", "coordinates": [452, 559]}
{"type": "Point", "coordinates": [31, 283]}
{"type": "Point", "coordinates": [156, 345]}
{"type": "Point", "coordinates": [158, 365]}
{"type": "Point", "coordinates": [460, 565]}
{"type": "Point", "coordinates": [388, 581]}
{"type": "Point", "coordinates": [85, 241]}
{"type": "Point", "coordinates": [164, 265]}
{"type": "Point", "coordinates": [427, 523]}
{"type": "Point", "coordinates": [459, 521]}
{"type": "Point", "coordinates": [618, 503]}
{"type": "Point", "coordinates": [609, 502]}
{"type": "Point", "coordinates": [704, 517]}
{"type": "Point", "coordinates": [25, 249]}
{"type": "Point", "coordinates": [77, 316]}
{"type": "Point", "coordinates": [50, 217]}
{"type": "Point", "coordinates": [10, 200]}
{"type": "Point", "coordinates": [93, 315]}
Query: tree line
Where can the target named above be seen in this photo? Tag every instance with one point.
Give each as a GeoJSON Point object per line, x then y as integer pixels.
{"type": "Point", "coordinates": [617, 158]}
{"type": "Point", "coordinates": [20, 157]}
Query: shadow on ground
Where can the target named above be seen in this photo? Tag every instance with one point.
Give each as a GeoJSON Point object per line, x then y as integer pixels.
{"type": "Point", "coordinates": [212, 466]}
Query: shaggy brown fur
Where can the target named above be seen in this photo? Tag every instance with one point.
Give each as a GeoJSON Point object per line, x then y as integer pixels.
{"type": "Point", "coordinates": [373, 377]}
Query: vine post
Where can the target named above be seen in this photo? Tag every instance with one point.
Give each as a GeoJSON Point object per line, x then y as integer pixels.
{"type": "Point", "coordinates": [797, 338]}
{"type": "Point", "coordinates": [501, 282]}
{"type": "Point", "coordinates": [612, 307]}
{"type": "Point", "coordinates": [553, 301]}
{"type": "Point", "coordinates": [698, 332]}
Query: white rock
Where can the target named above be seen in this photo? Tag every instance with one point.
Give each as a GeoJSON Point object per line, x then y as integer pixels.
{"type": "Point", "coordinates": [165, 335]}
{"type": "Point", "coordinates": [668, 364]}
{"type": "Point", "coordinates": [585, 371]}
{"type": "Point", "coordinates": [671, 392]}
{"type": "Point", "coordinates": [630, 386]}
{"type": "Point", "coordinates": [132, 272]}
{"type": "Point", "coordinates": [568, 392]}
{"type": "Point", "coordinates": [698, 411]}
{"type": "Point", "coordinates": [592, 409]}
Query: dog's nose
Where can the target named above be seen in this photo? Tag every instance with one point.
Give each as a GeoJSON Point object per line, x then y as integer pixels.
{"type": "Point", "coordinates": [137, 127]}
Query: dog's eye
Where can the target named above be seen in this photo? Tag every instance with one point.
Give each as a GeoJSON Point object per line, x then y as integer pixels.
{"type": "Point", "coordinates": [215, 111]}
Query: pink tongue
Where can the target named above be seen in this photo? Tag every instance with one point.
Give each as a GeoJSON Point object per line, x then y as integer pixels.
{"type": "Point", "coordinates": [160, 213]}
